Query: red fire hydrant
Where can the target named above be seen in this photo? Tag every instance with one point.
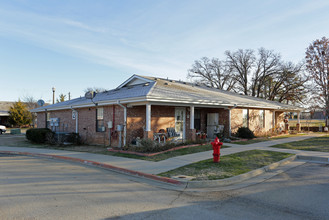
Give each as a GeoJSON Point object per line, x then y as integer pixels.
{"type": "Point", "coordinates": [216, 144]}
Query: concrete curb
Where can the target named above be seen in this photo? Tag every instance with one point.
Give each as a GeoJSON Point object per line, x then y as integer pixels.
{"type": "Point", "coordinates": [313, 158]}
{"type": "Point", "coordinates": [102, 165]}
{"type": "Point", "coordinates": [240, 178]}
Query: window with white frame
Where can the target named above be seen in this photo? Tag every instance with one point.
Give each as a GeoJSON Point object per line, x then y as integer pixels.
{"type": "Point", "coordinates": [261, 118]}
{"type": "Point", "coordinates": [245, 117]}
{"type": "Point", "coordinates": [100, 120]}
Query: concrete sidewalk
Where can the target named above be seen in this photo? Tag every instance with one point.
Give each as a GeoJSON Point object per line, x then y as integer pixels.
{"type": "Point", "coordinates": [150, 167]}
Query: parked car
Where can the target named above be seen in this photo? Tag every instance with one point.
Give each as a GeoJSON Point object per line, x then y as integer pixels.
{"type": "Point", "coordinates": [3, 129]}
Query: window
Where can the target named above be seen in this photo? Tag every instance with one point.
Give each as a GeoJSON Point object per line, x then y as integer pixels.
{"type": "Point", "coordinates": [261, 118]}
{"type": "Point", "coordinates": [245, 118]}
{"type": "Point", "coordinates": [100, 120]}
{"type": "Point", "coordinates": [47, 120]}
{"type": "Point", "coordinates": [197, 119]}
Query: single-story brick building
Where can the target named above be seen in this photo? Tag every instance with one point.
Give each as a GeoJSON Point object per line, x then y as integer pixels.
{"type": "Point", "coordinates": [142, 106]}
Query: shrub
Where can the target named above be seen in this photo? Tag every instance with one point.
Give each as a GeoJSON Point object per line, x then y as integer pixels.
{"type": "Point", "coordinates": [74, 138]}
{"type": "Point", "coordinates": [39, 135]}
{"type": "Point", "coordinates": [245, 132]}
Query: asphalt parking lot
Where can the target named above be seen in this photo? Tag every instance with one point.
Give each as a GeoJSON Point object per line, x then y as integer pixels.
{"type": "Point", "coordinates": [38, 188]}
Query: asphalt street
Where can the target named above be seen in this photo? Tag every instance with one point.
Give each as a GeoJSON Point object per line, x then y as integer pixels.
{"type": "Point", "coordinates": [38, 188]}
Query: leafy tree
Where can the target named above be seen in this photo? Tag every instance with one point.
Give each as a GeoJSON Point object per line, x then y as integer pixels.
{"type": "Point", "coordinates": [317, 64]}
{"type": "Point", "coordinates": [19, 114]}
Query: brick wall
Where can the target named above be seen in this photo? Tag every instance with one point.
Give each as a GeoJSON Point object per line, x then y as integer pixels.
{"type": "Point", "coordinates": [162, 117]}
{"type": "Point", "coordinates": [41, 120]}
{"type": "Point", "coordinates": [254, 122]}
{"type": "Point", "coordinates": [236, 119]}
{"type": "Point", "coordinates": [87, 123]}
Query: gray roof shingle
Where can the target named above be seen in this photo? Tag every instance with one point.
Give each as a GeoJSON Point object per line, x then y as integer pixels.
{"type": "Point", "coordinates": [165, 90]}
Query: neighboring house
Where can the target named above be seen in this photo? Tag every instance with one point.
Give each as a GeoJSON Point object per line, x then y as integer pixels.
{"type": "Point", "coordinates": [4, 112]}
{"type": "Point", "coordinates": [144, 105]}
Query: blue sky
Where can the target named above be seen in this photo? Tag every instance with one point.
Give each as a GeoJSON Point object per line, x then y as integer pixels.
{"type": "Point", "coordinates": [75, 44]}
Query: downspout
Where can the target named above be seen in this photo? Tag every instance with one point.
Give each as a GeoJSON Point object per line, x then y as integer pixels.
{"type": "Point", "coordinates": [46, 118]}
{"type": "Point", "coordinates": [125, 122]}
{"type": "Point", "coordinates": [76, 120]}
{"type": "Point", "coordinates": [229, 119]}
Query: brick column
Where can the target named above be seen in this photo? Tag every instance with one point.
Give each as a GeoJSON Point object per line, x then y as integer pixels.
{"type": "Point", "coordinates": [193, 134]}
{"type": "Point", "coordinates": [148, 135]}
{"type": "Point", "coordinates": [298, 122]}
{"type": "Point", "coordinates": [286, 128]}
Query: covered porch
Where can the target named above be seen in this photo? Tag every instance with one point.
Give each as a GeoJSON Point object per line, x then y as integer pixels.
{"type": "Point", "coordinates": [176, 121]}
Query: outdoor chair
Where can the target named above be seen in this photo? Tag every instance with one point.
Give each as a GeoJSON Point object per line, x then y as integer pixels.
{"type": "Point", "coordinates": [172, 133]}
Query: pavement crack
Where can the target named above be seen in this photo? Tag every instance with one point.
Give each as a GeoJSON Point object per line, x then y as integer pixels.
{"type": "Point", "coordinates": [179, 195]}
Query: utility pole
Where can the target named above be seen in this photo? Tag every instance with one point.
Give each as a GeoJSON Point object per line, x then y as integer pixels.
{"type": "Point", "coordinates": [69, 96]}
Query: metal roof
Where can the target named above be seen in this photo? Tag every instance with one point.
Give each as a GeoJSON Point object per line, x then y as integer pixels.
{"type": "Point", "coordinates": [170, 91]}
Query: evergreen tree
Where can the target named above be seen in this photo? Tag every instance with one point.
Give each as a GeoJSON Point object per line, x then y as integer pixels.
{"type": "Point", "coordinates": [19, 115]}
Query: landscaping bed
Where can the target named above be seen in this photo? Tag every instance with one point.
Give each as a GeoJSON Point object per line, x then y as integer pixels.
{"type": "Point", "coordinates": [118, 150]}
{"type": "Point", "coordinates": [229, 165]}
{"type": "Point", "coordinates": [312, 144]}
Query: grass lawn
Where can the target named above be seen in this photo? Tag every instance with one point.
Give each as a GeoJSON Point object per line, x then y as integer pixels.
{"type": "Point", "coordinates": [312, 144]}
{"type": "Point", "coordinates": [21, 141]}
{"type": "Point", "coordinates": [229, 165]}
{"type": "Point", "coordinates": [159, 157]}
{"type": "Point", "coordinates": [257, 140]}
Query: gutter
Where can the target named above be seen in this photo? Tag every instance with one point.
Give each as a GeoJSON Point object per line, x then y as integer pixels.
{"type": "Point", "coordinates": [125, 122]}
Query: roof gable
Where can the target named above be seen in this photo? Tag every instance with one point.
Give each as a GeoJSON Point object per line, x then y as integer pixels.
{"type": "Point", "coordinates": [134, 80]}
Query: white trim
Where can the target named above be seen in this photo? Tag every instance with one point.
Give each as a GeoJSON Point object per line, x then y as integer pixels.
{"type": "Point", "coordinates": [161, 101]}
{"type": "Point", "coordinates": [148, 117]}
{"type": "Point", "coordinates": [184, 121]}
{"type": "Point", "coordinates": [273, 120]}
{"type": "Point", "coordinates": [191, 117]}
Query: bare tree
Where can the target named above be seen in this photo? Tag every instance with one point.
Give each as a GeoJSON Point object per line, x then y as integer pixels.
{"type": "Point", "coordinates": [30, 102]}
{"type": "Point", "coordinates": [267, 64]}
{"type": "Point", "coordinates": [263, 75]}
{"type": "Point", "coordinates": [214, 73]}
{"type": "Point", "coordinates": [241, 62]}
{"type": "Point", "coordinates": [317, 64]}
{"type": "Point", "coordinates": [288, 84]}
{"type": "Point", "coordinates": [95, 89]}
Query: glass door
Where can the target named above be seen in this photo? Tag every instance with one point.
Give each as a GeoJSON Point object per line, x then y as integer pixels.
{"type": "Point", "coordinates": [180, 122]}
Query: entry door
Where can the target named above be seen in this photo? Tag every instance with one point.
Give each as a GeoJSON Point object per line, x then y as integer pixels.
{"type": "Point", "coordinates": [180, 121]}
